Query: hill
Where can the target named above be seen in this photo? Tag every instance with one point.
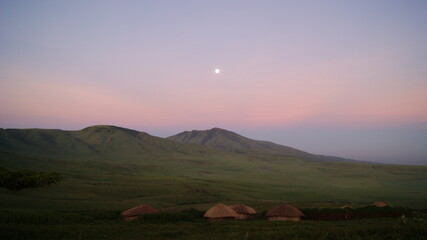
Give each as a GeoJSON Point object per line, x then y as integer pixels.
{"type": "Point", "coordinates": [107, 167]}
{"type": "Point", "coordinates": [227, 140]}
{"type": "Point", "coordinates": [96, 142]}
{"type": "Point", "coordinates": [223, 139]}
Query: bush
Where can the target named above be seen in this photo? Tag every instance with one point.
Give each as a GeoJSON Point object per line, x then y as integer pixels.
{"type": "Point", "coordinates": [196, 213]}
{"type": "Point", "coordinates": [32, 218]}
{"type": "Point", "coordinates": [166, 217]}
{"type": "Point", "coordinates": [19, 180]}
{"type": "Point", "coordinates": [356, 213]}
{"type": "Point", "coordinates": [57, 217]}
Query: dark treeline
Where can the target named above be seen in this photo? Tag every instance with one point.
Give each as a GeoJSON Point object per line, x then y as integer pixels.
{"type": "Point", "coordinates": [19, 180]}
{"type": "Point", "coordinates": [355, 213]}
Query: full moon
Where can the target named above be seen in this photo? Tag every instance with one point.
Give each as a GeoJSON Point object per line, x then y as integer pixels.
{"type": "Point", "coordinates": [216, 70]}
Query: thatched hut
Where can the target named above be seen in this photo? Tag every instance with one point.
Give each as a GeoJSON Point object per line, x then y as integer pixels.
{"type": "Point", "coordinates": [284, 212]}
{"type": "Point", "coordinates": [346, 206]}
{"type": "Point", "coordinates": [220, 212]}
{"type": "Point", "coordinates": [245, 212]}
{"type": "Point", "coordinates": [380, 204]}
{"type": "Point", "coordinates": [137, 211]}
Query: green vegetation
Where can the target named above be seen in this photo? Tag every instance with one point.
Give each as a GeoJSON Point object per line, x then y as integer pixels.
{"type": "Point", "coordinates": [179, 182]}
{"type": "Point", "coordinates": [355, 213]}
{"type": "Point", "coordinates": [223, 139]}
{"type": "Point", "coordinates": [108, 225]}
{"type": "Point", "coordinates": [22, 179]}
{"type": "Point", "coordinates": [167, 217]}
{"type": "Point", "coordinates": [226, 140]}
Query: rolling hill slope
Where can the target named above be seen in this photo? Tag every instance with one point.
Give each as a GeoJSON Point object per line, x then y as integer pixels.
{"type": "Point", "coordinates": [96, 142]}
{"type": "Point", "coordinates": [223, 139]}
{"type": "Point", "coordinates": [227, 140]}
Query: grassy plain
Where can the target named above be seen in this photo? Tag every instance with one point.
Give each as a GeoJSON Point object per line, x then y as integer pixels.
{"type": "Point", "coordinates": [179, 182]}
{"type": "Point", "coordinates": [106, 225]}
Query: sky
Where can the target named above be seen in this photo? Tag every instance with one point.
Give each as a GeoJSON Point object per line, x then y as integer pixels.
{"type": "Point", "coordinates": [344, 78]}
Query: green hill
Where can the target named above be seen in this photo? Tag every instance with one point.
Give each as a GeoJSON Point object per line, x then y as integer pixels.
{"type": "Point", "coordinates": [223, 139]}
{"type": "Point", "coordinates": [96, 142]}
{"type": "Point", "coordinates": [107, 167]}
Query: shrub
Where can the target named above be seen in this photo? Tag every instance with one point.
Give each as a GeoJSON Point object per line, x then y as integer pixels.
{"type": "Point", "coordinates": [22, 179]}
{"type": "Point", "coordinates": [355, 213]}
{"type": "Point", "coordinates": [196, 213]}
{"type": "Point", "coordinates": [166, 217]}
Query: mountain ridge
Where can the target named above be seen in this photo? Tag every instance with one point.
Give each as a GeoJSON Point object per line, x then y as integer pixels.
{"type": "Point", "coordinates": [104, 141]}
{"type": "Point", "coordinates": [235, 141]}
{"type": "Point", "coordinates": [218, 138]}
{"type": "Point", "coordinates": [109, 141]}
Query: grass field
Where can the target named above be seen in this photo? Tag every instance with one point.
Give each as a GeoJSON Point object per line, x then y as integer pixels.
{"type": "Point", "coordinates": [107, 225]}
{"type": "Point", "coordinates": [188, 181]}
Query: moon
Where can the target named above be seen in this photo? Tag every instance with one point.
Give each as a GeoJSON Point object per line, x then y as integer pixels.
{"type": "Point", "coordinates": [217, 71]}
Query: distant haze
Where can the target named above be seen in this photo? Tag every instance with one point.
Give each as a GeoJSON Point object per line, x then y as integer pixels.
{"type": "Point", "coordinates": [344, 78]}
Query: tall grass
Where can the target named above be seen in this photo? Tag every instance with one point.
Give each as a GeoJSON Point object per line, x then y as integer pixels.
{"type": "Point", "coordinates": [378, 229]}
{"type": "Point", "coordinates": [57, 217]}
{"type": "Point", "coordinates": [355, 213]}
{"type": "Point", "coordinates": [166, 217]}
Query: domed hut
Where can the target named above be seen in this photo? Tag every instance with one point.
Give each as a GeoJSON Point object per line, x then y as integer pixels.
{"type": "Point", "coordinates": [243, 211]}
{"type": "Point", "coordinates": [380, 204]}
{"type": "Point", "coordinates": [284, 212]}
{"type": "Point", "coordinates": [137, 211]}
{"type": "Point", "coordinates": [220, 212]}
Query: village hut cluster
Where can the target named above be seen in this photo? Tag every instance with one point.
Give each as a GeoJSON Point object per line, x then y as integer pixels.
{"type": "Point", "coordinates": [221, 212]}
{"type": "Point", "coordinates": [284, 212]}
{"type": "Point", "coordinates": [243, 211]}
{"type": "Point", "coordinates": [380, 204]}
{"type": "Point", "coordinates": [135, 212]}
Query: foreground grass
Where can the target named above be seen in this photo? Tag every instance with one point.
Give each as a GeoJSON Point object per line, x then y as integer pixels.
{"type": "Point", "coordinates": [356, 229]}
{"type": "Point", "coordinates": [107, 225]}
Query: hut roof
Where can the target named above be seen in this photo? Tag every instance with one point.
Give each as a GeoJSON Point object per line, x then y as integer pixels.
{"type": "Point", "coordinates": [243, 209]}
{"type": "Point", "coordinates": [220, 211]}
{"type": "Point", "coordinates": [284, 210]}
{"type": "Point", "coordinates": [380, 204]}
{"type": "Point", "coordinates": [139, 210]}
